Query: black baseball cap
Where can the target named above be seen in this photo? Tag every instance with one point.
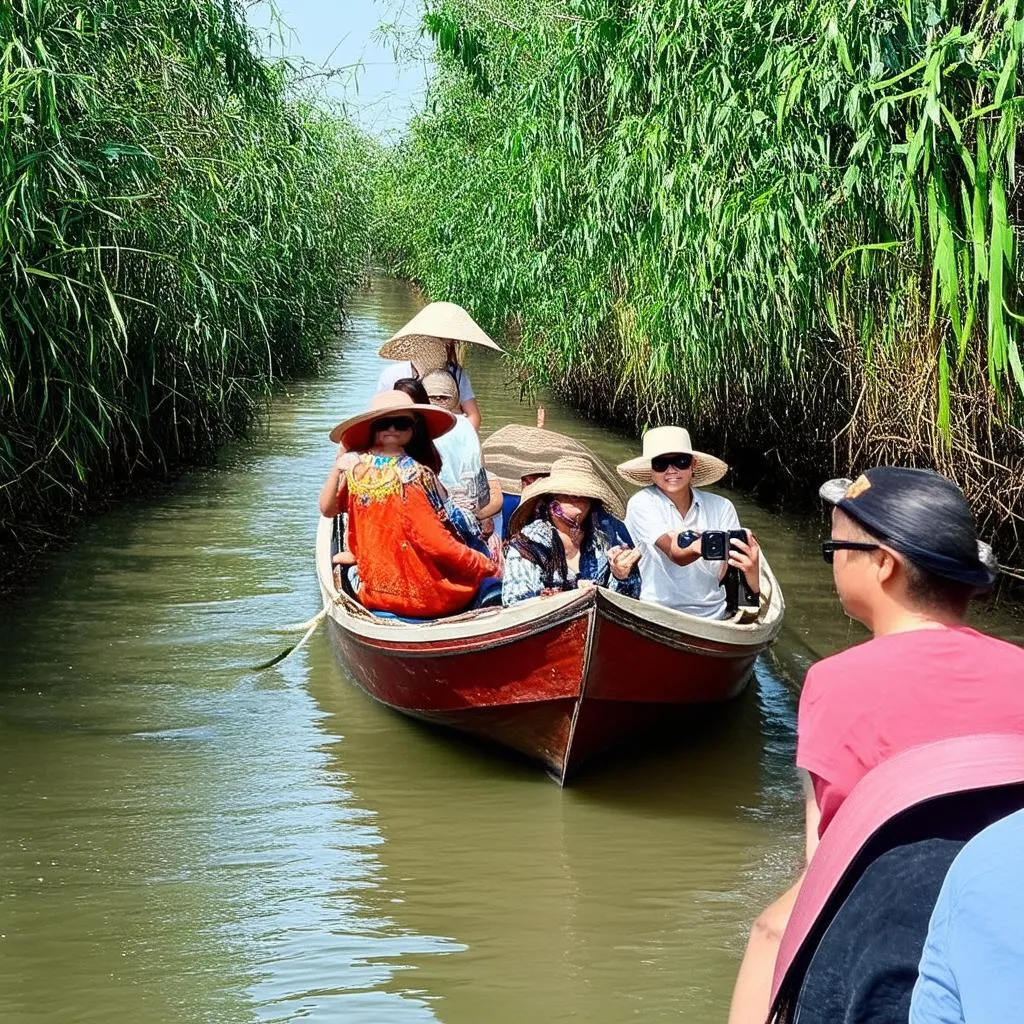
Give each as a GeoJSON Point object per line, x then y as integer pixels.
{"type": "Point", "coordinates": [921, 514]}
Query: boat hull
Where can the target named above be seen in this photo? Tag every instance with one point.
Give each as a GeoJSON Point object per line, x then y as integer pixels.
{"type": "Point", "coordinates": [520, 692]}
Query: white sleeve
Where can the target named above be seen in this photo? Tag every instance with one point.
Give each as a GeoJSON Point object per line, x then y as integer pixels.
{"type": "Point", "coordinates": [466, 393]}
{"type": "Point", "coordinates": [643, 522]}
{"type": "Point", "coordinates": [391, 374]}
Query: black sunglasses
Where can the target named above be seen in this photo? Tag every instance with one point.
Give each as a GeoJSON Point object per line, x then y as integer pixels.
{"type": "Point", "coordinates": [681, 461]}
{"type": "Point", "coordinates": [830, 547]}
{"type": "Point", "coordinates": [393, 423]}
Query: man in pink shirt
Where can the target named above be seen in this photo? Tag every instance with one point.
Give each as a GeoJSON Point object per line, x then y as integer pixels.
{"type": "Point", "coordinates": [906, 562]}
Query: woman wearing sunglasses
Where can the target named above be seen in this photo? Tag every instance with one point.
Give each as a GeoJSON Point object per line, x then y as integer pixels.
{"type": "Point", "coordinates": [906, 561]}
{"type": "Point", "coordinates": [409, 560]}
{"type": "Point", "coordinates": [670, 504]}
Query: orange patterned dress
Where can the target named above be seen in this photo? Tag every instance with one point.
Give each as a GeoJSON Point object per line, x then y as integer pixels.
{"type": "Point", "coordinates": [409, 560]}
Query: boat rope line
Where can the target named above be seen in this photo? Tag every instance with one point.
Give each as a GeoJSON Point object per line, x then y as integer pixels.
{"type": "Point", "coordinates": [308, 627]}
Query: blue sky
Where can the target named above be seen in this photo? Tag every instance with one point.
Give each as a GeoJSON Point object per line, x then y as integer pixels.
{"type": "Point", "coordinates": [344, 33]}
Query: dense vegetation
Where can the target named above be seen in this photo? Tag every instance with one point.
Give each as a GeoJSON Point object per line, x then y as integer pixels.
{"type": "Point", "coordinates": [179, 227]}
{"type": "Point", "coordinates": [793, 225]}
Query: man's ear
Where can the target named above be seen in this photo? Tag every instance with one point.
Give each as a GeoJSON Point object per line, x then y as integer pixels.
{"type": "Point", "coordinates": [887, 565]}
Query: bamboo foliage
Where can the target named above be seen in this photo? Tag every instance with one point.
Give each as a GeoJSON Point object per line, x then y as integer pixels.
{"type": "Point", "coordinates": [744, 214]}
{"type": "Point", "coordinates": [179, 229]}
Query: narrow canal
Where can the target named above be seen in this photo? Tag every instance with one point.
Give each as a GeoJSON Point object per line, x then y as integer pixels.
{"type": "Point", "coordinates": [184, 841]}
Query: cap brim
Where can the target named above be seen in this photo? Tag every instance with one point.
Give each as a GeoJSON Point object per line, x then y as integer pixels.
{"type": "Point", "coordinates": [904, 781]}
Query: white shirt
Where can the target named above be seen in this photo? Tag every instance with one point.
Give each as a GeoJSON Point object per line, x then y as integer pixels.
{"type": "Point", "coordinates": [695, 588]}
{"type": "Point", "coordinates": [462, 465]}
{"type": "Point", "coordinates": [394, 372]}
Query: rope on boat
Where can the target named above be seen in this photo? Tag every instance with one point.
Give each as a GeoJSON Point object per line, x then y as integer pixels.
{"type": "Point", "coordinates": [310, 628]}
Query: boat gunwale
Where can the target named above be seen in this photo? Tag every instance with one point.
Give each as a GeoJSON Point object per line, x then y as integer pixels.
{"type": "Point", "coordinates": [493, 627]}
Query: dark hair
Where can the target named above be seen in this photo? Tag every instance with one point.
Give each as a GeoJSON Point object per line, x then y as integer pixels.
{"type": "Point", "coordinates": [550, 559]}
{"type": "Point", "coordinates": [421, 447]}
{"type": "Point", "coordinates": [413, 387]}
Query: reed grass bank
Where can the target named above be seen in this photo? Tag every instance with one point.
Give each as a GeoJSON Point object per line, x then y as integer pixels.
{"type": "Point", "coordinates": [792, 225]}
{"type": "Point", "coordinates": [179, 228]}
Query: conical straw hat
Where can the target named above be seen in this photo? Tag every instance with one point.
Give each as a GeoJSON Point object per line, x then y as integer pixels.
{"type": "Point", "coordinates": [516, 451]}
{"type": "Point", "coordinates": [436, 324]}
{"type": "Point", "coordinates": [356, 433]}
{"type": "Point", "coordinates": [571, 474]}
{"type": "Point", "coordinates": [669, 441]}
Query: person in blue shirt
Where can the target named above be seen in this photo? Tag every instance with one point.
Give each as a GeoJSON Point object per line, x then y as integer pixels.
{"type": "Point", "coordinates": [972, 967]}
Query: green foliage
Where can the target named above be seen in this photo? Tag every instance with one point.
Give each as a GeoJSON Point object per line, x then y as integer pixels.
{"type": "Point", "coordinates": [785, 222]}
{"type": "Point", "coordinates": [179, 229]}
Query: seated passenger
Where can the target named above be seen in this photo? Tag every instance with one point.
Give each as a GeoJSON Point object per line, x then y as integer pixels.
{"type": "Point", "coordinates": [429, 342]}
{"type": "Point", "coordinates": [567, 532]}
{"type": "Point", "coordinates": [670, 472]}
{"type": "Point", "coordinates": [462, 465]}
{"type": "Point", "coordinates": [409, 560]}
{"type": "Point", "coordinates": [906, 561]}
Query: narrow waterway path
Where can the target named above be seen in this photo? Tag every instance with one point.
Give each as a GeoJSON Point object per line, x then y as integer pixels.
{"type": "Point", "coordinates": [184, 841]}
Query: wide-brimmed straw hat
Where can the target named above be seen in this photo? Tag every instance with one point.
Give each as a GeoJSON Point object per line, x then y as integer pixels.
{"type": "Point", "coordinates": [515, 451]}
{"type": "Point", "coordinates": [571, 474]}
{"type": "Point", "coordinates": [356, 432]}
{"type": "Point", "coordinates": [441, 384]}
{"type": "Point", "coordinates": [438, 323]}
{"type": "Point", "coordinates": [906, 783]}
{"type": "Point", "coordinates": [669, 441]}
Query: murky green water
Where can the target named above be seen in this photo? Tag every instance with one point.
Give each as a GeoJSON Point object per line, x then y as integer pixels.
{"type": "Point", "coordinates": [182, 841]}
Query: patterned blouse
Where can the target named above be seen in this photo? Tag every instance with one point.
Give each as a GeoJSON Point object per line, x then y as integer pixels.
{"type": "Point", "coordinates": [524, 578]}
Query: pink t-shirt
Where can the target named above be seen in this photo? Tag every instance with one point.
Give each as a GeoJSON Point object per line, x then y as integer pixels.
{"type": "Point", "coordinates": [898, 691]}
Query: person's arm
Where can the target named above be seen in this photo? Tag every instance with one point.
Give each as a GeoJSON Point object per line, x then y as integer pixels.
{"type": "Point", "coordinates": [522, 578]}
{"type": "Point", "coordinates": [332, 494]}
{"type": "Point", "coordinates": [429, 534]}
{"type": "Point", "coordinates": [472, 411]}
{"type": "Point", "coordinates": [752, 994]}
{"type": "Point", "coordinates": [812, 817]}
{"type": "Point", "coordinates": [668, 545]}
{"type": "Point", "coordinates": [467, 398]}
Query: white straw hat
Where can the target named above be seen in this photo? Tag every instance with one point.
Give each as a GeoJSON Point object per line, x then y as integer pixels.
{"type": "Point", "coordinates": [441, 384]}
{"type": "Point", "coordinates": [356, 432]}
{"type": "Point", "coordinates": [571, 474]}
{"type": "Point", "coordinates": [670, 441]}
{"type": "Point", "coordinates": [438, 323]}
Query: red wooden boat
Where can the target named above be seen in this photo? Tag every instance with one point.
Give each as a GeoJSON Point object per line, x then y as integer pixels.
{"type": "Point", "coordinates": [559, 679]}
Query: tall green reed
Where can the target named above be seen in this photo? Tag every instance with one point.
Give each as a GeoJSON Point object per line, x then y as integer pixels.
{"type": "Point", "coordinates": [792, 224]}
{"type": "Point", "coordinates": [179, 229]}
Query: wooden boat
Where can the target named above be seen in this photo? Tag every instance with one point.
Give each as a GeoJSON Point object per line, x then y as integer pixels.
{"type": "Point", "coordinates": [559, 679]}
